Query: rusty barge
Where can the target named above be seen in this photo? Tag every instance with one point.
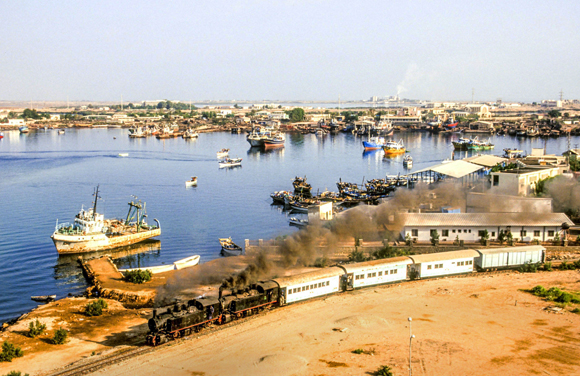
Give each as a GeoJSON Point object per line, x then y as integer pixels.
{"type": "Point", "coordinates": [92, 232]}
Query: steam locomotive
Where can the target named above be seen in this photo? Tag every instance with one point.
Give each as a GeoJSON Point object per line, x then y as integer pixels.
{"type": "Point", "coordinates": [184, 319]}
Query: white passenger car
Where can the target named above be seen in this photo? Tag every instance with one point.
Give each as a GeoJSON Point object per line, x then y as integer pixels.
{"type": "Point", "coordinates": [444, 263]}
{"type": "Point", "coordinates": [509, 256]}
{"type": "Point", "coordinates": [309, 285]}
{"type": "Point", "coordinates": [375, 272]}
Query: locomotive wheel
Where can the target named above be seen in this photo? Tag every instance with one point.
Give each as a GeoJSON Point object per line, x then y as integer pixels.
{"type": "Point", "coordinates": [238, 315]}
{"type": "Point", "coordinates": [175, 335]}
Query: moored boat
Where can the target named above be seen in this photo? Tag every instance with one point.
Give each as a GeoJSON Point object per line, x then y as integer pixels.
{"type": "Point", "coordinates": [279, 196]}
{"type": "Point", "coordinates": [223, 153]}
{"type": "Point", "coordinates": [192, 182]}
{"type": "Point", "coordinates": [374, 143]}
{"type": "Point", "coordinates": [301, 186]}
{"type": "Point", "coordinates": [408, 161]}
{"type": "Point", "coordinates": [230, 162]}
{"type": "Point", "coordinates": [275, 141]}
{"type": "Point", "coordinates": [229, 248]}
{"type": "Point", "coordinates": [92, 232]}
{"type": "Point", "coordinates": [1, 135]}
{"type": "Point", "coordinates": [23, 129]}
{"type": "Point", "coordinates": [61, 131]}
{"type": "Point", "coordinates": [392, 148]}
{"type": "Point", "coordinates": [298, 222]}
{"type": "Point", "coordinates": [190, 133]}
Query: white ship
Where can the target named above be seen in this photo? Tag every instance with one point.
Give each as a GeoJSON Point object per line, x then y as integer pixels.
{"type": "Point", "coordinates": [92, 232]}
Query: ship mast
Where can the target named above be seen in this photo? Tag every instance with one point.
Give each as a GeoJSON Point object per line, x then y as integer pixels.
{"type": "Point", "coordinates": [97, 197]}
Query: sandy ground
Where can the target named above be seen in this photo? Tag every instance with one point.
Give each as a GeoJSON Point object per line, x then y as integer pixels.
{"type": "Point", "coordinates": [476, 325]}
{"type": "Point", "coordinates": [463, 326]}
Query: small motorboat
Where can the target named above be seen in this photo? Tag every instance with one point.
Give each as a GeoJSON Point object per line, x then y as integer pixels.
{"type": "Point", "coordinates": [229, 248]}
{"type": "Point", "coordinates": [24, 129]}
{"type": "Point", "coordinates": [230, 162]}
{"type": "Point", "coordinates": [123, 154]}
{"type": "Point", "coordinates": [61, 131]}
{"type": "Point", "coordinates": [298, 222]}
{"type": "Point", "coordinates": [43, 298]}
{"type": "Point", "coordinates": [408, 161]}
{"type": "Point", "coordinates": [192, 182]}
{"type": "Point", "coordinates": [223, 153]}
{"type": "Point", "coordinates": [1, 135]}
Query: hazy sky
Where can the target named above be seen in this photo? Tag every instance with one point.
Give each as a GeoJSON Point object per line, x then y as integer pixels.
{"type": "Point", "coordinates": [281, 50]}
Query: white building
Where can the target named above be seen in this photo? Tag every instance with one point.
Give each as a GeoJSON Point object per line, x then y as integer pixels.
{"type": "Point", "coordinates": [521, 181]}
{"type": "Point", "coordinates": [16, 122]}
{"type": "Point", "coordinates": [470, 226]}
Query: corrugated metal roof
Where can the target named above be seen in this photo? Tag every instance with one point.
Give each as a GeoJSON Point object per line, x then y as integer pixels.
{"type": "Point", "coordinates": [455, 169]}
{"type": "Point", "coordinates": [527, 248]}
{"type": "Point", "coordinates": [484, 219]}
{"type": "Point", "coordinates": [485, 160]}
{"type": "Point", "coordinates": [308, 277]}
{"type": "Point", "coordinates": [442, 256]}
{"type": "Point", "coordinates": [351, 268]}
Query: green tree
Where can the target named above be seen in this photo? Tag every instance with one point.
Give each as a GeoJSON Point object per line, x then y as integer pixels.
{"type": "Point", "coordinates": [138, 276]}
{"type": "Point", "coordinates": [35, 328]}
{"type": "Point", "coordinates": [96, 307]}
{"type": "Point", "coordinates": [434, 237]}
{"type": "Point", "coordinates": [501, 237]}
{"type": "Point", "coordinates": [484, 237]}
{"type": "Point", "coordinates": [9, 352]}
{"type": "Point", "coordinates": [60, 337]}
{"type": "Point", "coordinates": [296, 114]}
{"type": "Point", "coordinates": [554, 113]}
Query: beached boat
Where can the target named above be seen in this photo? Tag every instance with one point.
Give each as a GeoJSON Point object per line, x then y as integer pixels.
{"type": "Point", "coordinates": [92, 232]}
{"type": "Point", "coordinates": [230, 162]}
{"type": "Point", "coordinates": [192, 182]}
{"type": "Point", "coordinates": [374, 143]}
{"type": "Point", "coordinates": [408, 161]}
{"type": "Point", "coordinates": [177, 265]}
{"type": "Point", "coordinates": [186, 262]}
{"type": "Point", "coordinates": [392, 148]}
{"type": "Point", "coordinates": [223, 153]}
{"type": "Point", "coordinates": [229, 248]}
{"type": "Point", "coordinates": [43, 298]}
{"type": "Point", "coordinates": [24, 129]}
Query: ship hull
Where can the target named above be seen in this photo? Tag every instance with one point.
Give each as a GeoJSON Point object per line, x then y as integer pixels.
{"type": "Point", "coordinates": [69, 244]}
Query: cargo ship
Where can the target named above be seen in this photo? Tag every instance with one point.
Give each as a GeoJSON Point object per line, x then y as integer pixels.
{"type": "Point", "coordinates": [92, 232]}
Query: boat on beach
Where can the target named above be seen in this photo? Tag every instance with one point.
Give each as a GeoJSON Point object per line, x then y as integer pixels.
{"type": "Point", "coordinates": [90, 231]}
{"type": "Point", "coordinates": [229, 248]}
{"type": "Point", "coordinates": [177, 265]}
{"type": "Point", "coordinates": [392, 148]}
{"type": "Point", "coordinates": [43, 298]}
{"type": "Point", "coordinates": [192, 182]}
{"type": "Point", "coordinates": [230, 162]}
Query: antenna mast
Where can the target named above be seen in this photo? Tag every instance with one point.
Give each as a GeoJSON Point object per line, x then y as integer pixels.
{"type": "Point", "coordinates": [97, 197]}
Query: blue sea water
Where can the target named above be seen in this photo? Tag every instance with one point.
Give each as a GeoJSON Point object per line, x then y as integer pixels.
{"type": "Point", "coordinates": [46, 176]}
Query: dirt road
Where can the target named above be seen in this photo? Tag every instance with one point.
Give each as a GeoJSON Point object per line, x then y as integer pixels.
{"type": "Point", "coordinates": [463, 326]}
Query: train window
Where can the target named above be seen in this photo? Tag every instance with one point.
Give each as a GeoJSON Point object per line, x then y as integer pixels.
{"type": "Point", "coordinates": [440, 266]}
{"type": "Point", "coordinates": [303, 288]}
{"type": "Point", "coordinates": [470, 262]}
{"type": "Point", "coordinates": [464, 230]}
{"type": "Point", "coordinates": [307, 288]}
{"type": "Point", "coordinates": [289, 291]}
{"type": "Point", "coordinates": [428, 267]}
{"type": "Point", "coordinates": [327, 283]}
{"type": "Point", "coordinates": [362, 276]}
{"type": "Point", "coordinates": [380, 274]}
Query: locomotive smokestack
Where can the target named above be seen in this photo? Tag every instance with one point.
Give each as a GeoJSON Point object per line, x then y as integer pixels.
{"type": "Point", "coordinates": [154, 313]}
{"type": "Point", "coordinates": [221, 292]}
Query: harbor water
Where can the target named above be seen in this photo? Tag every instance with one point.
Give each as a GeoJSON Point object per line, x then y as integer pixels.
{"type": "Point", "coordinates": [47, 177]}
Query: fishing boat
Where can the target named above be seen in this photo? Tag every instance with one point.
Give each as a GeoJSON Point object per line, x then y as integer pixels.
{"type": "Point", "coordinates": [192, 182]}
{"type": "Point", "coordinates": [90, 231]}
{"type": "Point", "coordinates": [512, 153]}
{"type": "Point", "coordinates": [392, 148]}
{"type": "Point", "coordinates": [23, 129]}
{"type": "Point", "coordinates": [230, 162]}
{"type": "Point", "coordinates": [462, 143]}
{"type": "Point", "coordinates": [190, 133]}
{"type": "Point", "coordinates": [61, 131]}
{"type": "Point", "coordinates": [223, 153]}
{"type": "Point", "coordinates": [408, 161]}
{"type": "Point", "coordinates": [43, 298]}
{"type": "Point", "coordinates": [275, 141]}
{"type": "Point", "coordinates": [229, 248]}
{"type": "Point", "coordinates": [301, 186]}
{"type": "Point", "coordinates": [279, 196]}
{"type": "Point", "coordinates": [374, 143]}
{"type": "Point", "coordinates": [298, 222]}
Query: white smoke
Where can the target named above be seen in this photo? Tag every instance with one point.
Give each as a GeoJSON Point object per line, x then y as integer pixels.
{"type": "Point", "coordinates": [412, 76]}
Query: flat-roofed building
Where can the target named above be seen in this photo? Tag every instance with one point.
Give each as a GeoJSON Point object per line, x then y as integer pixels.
{"type": "Point", "coordinates": [469, 227]}
{"type": "Point", "coordinates": [521, 181]}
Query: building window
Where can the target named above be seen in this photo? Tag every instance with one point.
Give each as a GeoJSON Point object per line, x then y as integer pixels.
{"type": "Point", "coordinates": [523, 233]}
{"type": "Point", "coordinates": [465, 230]}
{"type": "Point", "coordinates": [481, 233]}
{"type": "Point", "coordinates": [414, 232]}
{"type": "Point", "coordinates": [550, 233]}
{"type": "Point", "coordinates": [453, 231]}
{"type": "Point", "coordinates": [536, 233]}
{"type": "Point", "coordinates": [469, 231]}
{"type": "Point", "coordinates": [492, 234]}
{"type": "Point", "coordinates": [495, 179]}
{"type": "Point", "coordinates": [444, 232]}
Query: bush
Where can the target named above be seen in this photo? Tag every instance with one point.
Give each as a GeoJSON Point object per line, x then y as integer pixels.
{"type": "Point", "coordinates": [138, 276]}
{"type": "Point", "coordinates": [322, 262]}
{"type": "Point", "coordinates": [96, 307]}
{"type": "Point", "coordinates": [358, 351]}
{"type": "Point", "coordinates": [576, 310]}
{"type": "Point", "coordinates": [60, 337]}
{"type": "Point", "coordinates": [388, 251]}
{"type": "Point", "coordinates": [356, 256]}
{"type": "Point", "coordinates": [539, 291]}
{"type": "Point", "coordinates": [35, 328]}
{"type": "Point", "coordinates": [384, 371]}
{"type": "Point", "coordinates": [15, 373]}
{"type": "Point", "coordinates": [9, 352]}
{"type": "Point", "coordinates": [565, 266]}
{"type": "Point", "coordinates": [553, 293]}
{"type": "Point", "coordinates": [529, 268]}
{"type": "Point", "coordinates": [565, 297]}
{"type": "Point", "coordinates": [548, 266]}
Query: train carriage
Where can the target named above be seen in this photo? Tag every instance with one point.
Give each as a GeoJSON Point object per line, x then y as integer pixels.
{"type": "Point", "coordinates": [443, 263]}
{"type": "Point", "coordinates": [374, 272]}
{"type": "Point", "coordinates": [309, 285]}
{"type": "Point", "coordinates": [498, 258]}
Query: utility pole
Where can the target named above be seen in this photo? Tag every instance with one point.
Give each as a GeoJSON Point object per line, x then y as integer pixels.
{"type": "Point", "coordinates": [411, 336]}
{"type": "Point", "coordinates": [561, 94]}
